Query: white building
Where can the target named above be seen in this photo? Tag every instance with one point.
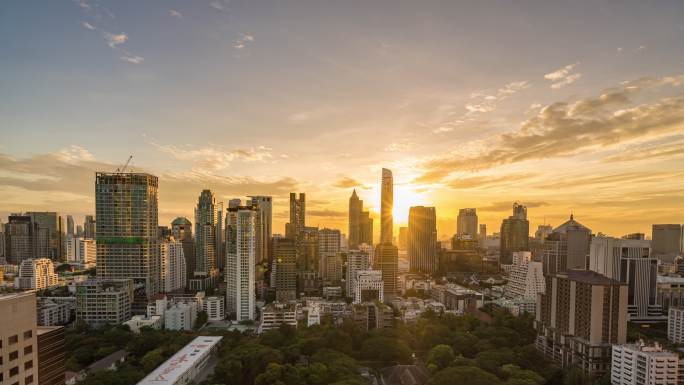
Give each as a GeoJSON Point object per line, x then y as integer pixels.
{"type": "Point", "coordinates": [356, 260]}
{"type": "Point", "coordinates": [139, 321]}
{"type": "Point", "coordinates": [173, 273]}
{"type": "Point", "coordinates": [675, 325]}
{"type": "Point", "coordinates": [38, 274]}
{"type": "Point", "coordinates": [54, 311]}
{"type": "Point", "coordinates": [368, 286]}
{"type": "Point", "coordinates": [82, 251]}
{"type": "Point", "coordinates": [526, 278]}
{"type": "Point", "coordinates": [215, 308]}
{"type": "Point", "coordinates": [637, 364]}
{"type": "Point", "coordinates": [278, 313]}
{"type": "Point", "coordinates": [313, 315]}
{"type": "Point", "coordinates": [369, 250]}
{"type": "Point", "coordinates": [240, 263]}
{"type": "Point", "coordinates": [180, 316]}
{"type": "Point", "coordinates": [186, 365]}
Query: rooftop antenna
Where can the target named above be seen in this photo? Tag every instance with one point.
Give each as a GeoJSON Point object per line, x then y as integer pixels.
{"type": "Point", "coordinates": [123, 168]}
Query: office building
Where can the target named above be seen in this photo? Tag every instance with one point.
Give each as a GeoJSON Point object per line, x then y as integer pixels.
{"type": "Point", "coordinates": [366, 229]}
{"type": "Point", "coordinates": [330, 267]}
{"type": "Point", "coordinates": [329, 241]}
{"type": "Point", "coordinates": [215, 308]}
{"type": "Point", "coordinates": [629, 261]}
{"type": "Point", "coordinates": [102, 302]}
{"type": "Point", "coordinates": [372, 315]}
{"type": "Point", "coordinates": [667, 241]}
{"type": "Point", "coordinates": [526, 278]}
{"type": "Point", "coordinates": [208, 241]}
{"type": "Point", "coordinates": [173, 265]}
{"type": "Point", "coordinates": [52, 311]}
{"type": "Point", "coordinates": [356, 260]}
{"type": "Point", "coordinates": [187, 365]}
{"type": "Point", "coordinates": [386, 260]}
{"type": "Point", "coordinates": [264, 232]}
{"type": "Point", "coordinates": [70, 227]}
{"type": "Point", "coordinates": [51, 355]}
{"type": "Point", "coordinates": [515, 234]}
{"type": "Point", "coordinates": [36, 274]}
{"type": "Point", "coordinates": [422, 239]}
{"type": "Point", "coordinates": [49, 226]}
{"type": "Point", "coordinates": [276, 314]}
{"type": "Point", "coordinates": [82, 251]}
{"type": "Point", "coordinates": [466, 223]}
{"type": "Point", "coordinates": [240, 263]}
{"type": "Point", "coordinates": [457, 298]}
{"type": "Point", "coordinates": [386, 207]}
{"type": "Point", "coordinates": [402, 240]}
{"type": "Point", "coordinates": [181, 231]}
{"type": "Point", "coordinates": [308, 249]}
{"type": "Point", "coordinates": [579, 317]}
{"type": "Point", "coordinates": [482, 237]}
{"type": "Point", "coordinates": [670, 291]}
{"type": "Point", "coordinates": [285, 269]}
{"type": "Point", "coordinates": [127, 245]}
{"type": "Point", "coordinates": [368, 286]}
{"type": "Point", "coordinates": [19, 351]}
{"type": "Point", "coordinates": [89, 227]}
{"type": "Point", "coordinates": [181, 316]}
{"type": "Point", "coordinates": [639, 363]}
{"type": "Point", "coordinates": [566, 248]}
{"type": "Point", "coordinates": [295, 227]}
{"type": "Point", "coordinates": [21, 239]}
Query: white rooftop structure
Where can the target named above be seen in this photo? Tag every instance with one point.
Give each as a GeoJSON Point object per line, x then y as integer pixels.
{"type": "Point", "coordinates": [184, 366]}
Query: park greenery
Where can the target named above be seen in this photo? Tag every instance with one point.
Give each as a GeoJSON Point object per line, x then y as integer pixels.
{"type": "Point", "coordinates": [453, 349]}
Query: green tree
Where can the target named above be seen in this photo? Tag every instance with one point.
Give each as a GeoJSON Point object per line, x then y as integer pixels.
{"type": "Point", "coordinates": [470, 375]}
{"type": "Point", "coordinates": [441, 356]}
{"type": "Point", "coordinates": [385, 349]}
{"type": "Point", "coordinates": [152, 359]}
{"type": "Point", "coordinates": [277, 374]}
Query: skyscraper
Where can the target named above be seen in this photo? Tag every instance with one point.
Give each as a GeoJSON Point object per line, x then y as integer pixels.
{"type": "Point", "coordinates": [667, 241]}
{"type": "Point", "coordinates": [208, 240]}
{"type": "Point", "coordinates": [172, 271]}
{"type": "Point", "coordinates": [181, 230]}
{"type": "Point", "coordinates": [515, 233]}
{"type": "Point", "coordinates": [19, 238]}
{"type": "Point", "coordinates": [403, 238]}
{"type": "Point", "coordinates": [329, 241]}
{"type": "Point", "coordinates": [127, 220]}
{"type": "Point", "coordinates": [295, 227]}
{"type": "Point", "coordinates": [240, 262]}
{"type": "Point", "coordinates": [264, 205]}
{"type": "Point", "coordinates": [567, 247]}
{"type": "Point", "coordinates": [70, 226]}
{"type": "Point", "coordinates": [386, 206]}
{"type": "Point", "coordinates": [285, 269]}
{"type": "Point", "coordinates": [355, 209]}
{"type": "Point", "coordinates": [89, 227]}
{"type": "Point", "coordinates": [466, 223]}
{"type": "Point", "coordinates": [422, 239]}
{"type": "Point", "coordinates": [49, 225]}
{"type": "Point", "coordinates": [386, 259]}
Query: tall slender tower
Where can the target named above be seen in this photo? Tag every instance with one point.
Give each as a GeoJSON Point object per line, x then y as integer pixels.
{"type": "Point", "coordinates": [355, 209]}
{"type": "Point", "coordinates": [240, 262]}
{"type": "Point", "coordinates": [126, 234]}
{"type": "Point", "coordinates": [387, 202]}
{"type": "Point", "coordinates": [422, 239]}
{"type": "Point", "coordinates": [295, 228]}
{"type": "Point", "coordinates": [207, 240]}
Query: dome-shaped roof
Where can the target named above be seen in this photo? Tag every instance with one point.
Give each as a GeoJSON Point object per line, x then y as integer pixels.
{"type": "Point", "coordinates": [181, 221]}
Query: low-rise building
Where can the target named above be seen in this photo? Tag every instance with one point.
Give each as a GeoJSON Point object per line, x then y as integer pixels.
{"type": "Point", "coordinates": [641, 364]}
{"type": "Point", "coordinates": [331, 292]}
{"type": "Point", "coordinates": [101, 302]}
{"type": "Point", "coordinates": [215, 308]}
{"type": "Point", "coordinates": [140, 321]}
{"type": "Point", "coordinates": [36, 274]}
{"type": "Point", "coordinates": [278, 313]}
{"type": "Point", "coordinates": [670, 291]}
{"type": "Point", "coordinates": [186, 365]}
{"type": "Point", "coordinates": [369, 286]}
{"type": "Point", "coordinates": [180, 316]}
{"type": "Point", "coordinates": [55, 311]}
{"type": "Point", "coordinates": [457, 298]}
{"type": "Point", "coordinates": [19, 351]}
{"type": "Point", "coordinates": [373, 315]}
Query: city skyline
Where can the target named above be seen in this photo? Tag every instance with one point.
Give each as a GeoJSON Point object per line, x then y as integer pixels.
{"type": "Point", "coordinates": [593, 125]}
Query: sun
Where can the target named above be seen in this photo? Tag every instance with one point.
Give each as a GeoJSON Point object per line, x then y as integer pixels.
{"type": "Point", "coordinates": [405, 197]}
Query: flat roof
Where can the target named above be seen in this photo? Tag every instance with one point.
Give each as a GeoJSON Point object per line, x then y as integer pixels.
{"type": "Point", "coordinates": [179, 363]}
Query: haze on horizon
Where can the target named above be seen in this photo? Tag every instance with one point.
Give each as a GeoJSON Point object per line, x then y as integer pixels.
{"type": "Point", "coordinates": [470, 104]}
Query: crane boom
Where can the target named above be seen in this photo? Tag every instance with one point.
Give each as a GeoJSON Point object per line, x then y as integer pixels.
{"type": "Point", "coordinates": [123, 168]}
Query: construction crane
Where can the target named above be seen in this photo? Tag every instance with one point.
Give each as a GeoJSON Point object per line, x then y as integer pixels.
{"type": "Point", "coordinates": [123, 168]}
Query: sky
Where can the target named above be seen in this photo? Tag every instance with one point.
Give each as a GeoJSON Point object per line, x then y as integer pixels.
{"type": "Point", "coordinates": [568, 107]}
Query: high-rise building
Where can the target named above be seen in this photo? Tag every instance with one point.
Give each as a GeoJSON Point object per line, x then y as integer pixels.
{"type": "Point", "coordinates": [466, 223]}
{"type": "Point", "coordinates": [542, 232]}
{"type": "Point", "coordinates": [19, 352]}
{"type": "Point", "coordinates": [567, 247]}
{"type": "Point", "coordinates": [579, 317]}
{"type": "Point", "coordinates": [642, 364]}
{"type": "Point", "coordinates": [308, 249]}
{"type": "Point", "coordinates": [330, 267]}
{"type": "Point", "coordinates": [49, 225]}
{"type": "Point", "coordinates": [90, 227]}
{"type": "Point", "coordinates": [240, 262]}
{"type": "Point", "coordinates": [355, 209]}
{"type": "Point", "coordinates": [629, 261]}
{"type": "Point", "coordinates": [422, 239]}
{"type": "Point", "coordinates": [403, 238]}
{"type": "Point", "coordinates": [173, 266]}
{"type": "Point", "coordinates": [208, 241]}
{"type": "Point", "coordinates": [264, 229]}
{"type": "Point", "coordinates": [482, 238]}
{"type": "Point", "coordinates": [215, 308]}
{"type": "Point", "coordinates": [515, 234]}
{"type": "Point", "coordinates": [366, 231]}
{"type": "Point", "coordinates": [667, 241]}
{"type": "Point", "coordinates": [36, 274]}
{"type": "Point", "coordinates": [526, 278]}
{"type": "Point", "coordinates": [386, 260]}
{"type": "Point", "coordinates": [295, 227]}
{"type": "Point", "coordinates": [126, 233]}
{"type": "Point", "coordinates": [356, 260]}
{"type": "Point", "coordinates": [51, 355]}
{"type": "Point", "coordinates": [675, 325]}
{"type": "Point", "coordinates": [285, 269]}
{"type": "Point", "coordinates": [100, 302]}
{"type": "Point", "coordinates": [79, 230]}
{"type": "Point", "coordinates": [70, 226]}
{"type": "Point", "coordinates": [368, 286]}
{"type": "Point", "coordinates": [19, 239]}
{"type": "Point", "coordinates": [82, 251]}
{"type": "Point", "coordinates": [181, 230]}
{"type": "Point", "coordinates": [386, 206]}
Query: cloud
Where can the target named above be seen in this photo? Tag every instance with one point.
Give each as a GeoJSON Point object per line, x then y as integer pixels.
{"type": "Point", "coordinates": [563, 76]}
{"type": "Point", "coordinates": [113, 40]}
{"type": "Point", "coordinates": [176, 14]}
{"type": "Point", "coordinates": [489, 181]}
{"type": "Point", "coordinates": [242, 41]}
{"type": "Point", "coordinates": [214, 158]}
{"type": "Point", "coordinates": [655, 151]}
{"type": "Point", "coordinates": [75, 153]}
{"type": "Point", "coordinates": [347, 183]}
{"type": "Point", "coordinates": [562, 129]}
{"type": "Point", "coordinates": [220, 5]}
{"type": "Point", "coordinates": [132, 59]}
{"type": "Point", "coordinates": [508, 206]}
{"type": "Point", "coordinates": [87, 25]}
{"type": "Point", "coordinates": [402, 145]}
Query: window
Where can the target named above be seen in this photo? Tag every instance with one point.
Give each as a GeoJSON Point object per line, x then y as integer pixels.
{"type": "Point", "coordinates": [14, 371]}
{"type": "Point", "coordinates": [13, 340]}
{"type": "Point", "coordinates": [28, 380]}
{"type": "Point", "coordinates": [28, 334]}
{"type": "Point", "coordinates": [14, 355]}
{"type": "Point", "coordinates": [28, 349]}
{"type": "Point", "coordinates": [28, 364]}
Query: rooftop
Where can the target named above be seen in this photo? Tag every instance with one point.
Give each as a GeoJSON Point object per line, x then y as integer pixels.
{"type": "Point", "coordinates": [591, 277]}
{"type": "Point", "coordinates": [179, 363]}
